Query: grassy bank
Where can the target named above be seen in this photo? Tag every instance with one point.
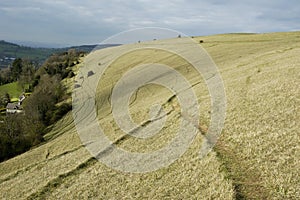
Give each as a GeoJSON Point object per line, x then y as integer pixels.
{"type": "Point", "coordinates": [13, 89]}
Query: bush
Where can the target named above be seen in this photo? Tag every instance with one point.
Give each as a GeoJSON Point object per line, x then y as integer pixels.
{"type": "Point", "coordinates": [60, 112]}
{"type": "Point", "coordinates": [71, 74]}
{"type": "Point", "coordinates": [65, 73]}
{"type": "Point", "coordinates": [41, 103]}
{"type": "Point", "coordinates": [4, 100]}
{"type": "Point", "coordinates": [36, 81]}
{"type": "Point", "coordinates": [58, 63]}
{"type": "Point", "coordinates": [17, 135]}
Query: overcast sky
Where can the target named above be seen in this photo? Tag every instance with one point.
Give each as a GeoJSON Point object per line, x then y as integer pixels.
{"type": "Point", "coordinates": [73, 22]}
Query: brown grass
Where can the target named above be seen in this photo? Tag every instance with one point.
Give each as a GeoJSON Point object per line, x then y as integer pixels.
{"type": "Point", "coordinates": [257, 156]}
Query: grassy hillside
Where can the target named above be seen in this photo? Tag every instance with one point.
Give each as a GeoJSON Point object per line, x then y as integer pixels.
{"type": "Point", "coordinates": [260, 143]}
{"type": "Point", "coordinates": [13, 89]}
{"type": "Point", "coordinates": [256, 156]}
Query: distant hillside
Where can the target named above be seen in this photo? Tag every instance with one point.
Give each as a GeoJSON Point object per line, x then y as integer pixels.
{"type": "Point", "coordinates": [10, 51]}
{"type": "Point", "coordinates": [89, 48]}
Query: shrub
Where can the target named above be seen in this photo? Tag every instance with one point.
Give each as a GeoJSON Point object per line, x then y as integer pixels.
{"type": "Point", "coordinates": [60, 112]}
{"type": "Point", "coordinates": [71, 74]}
{"type": "Point", "coordinates": [17, 135]}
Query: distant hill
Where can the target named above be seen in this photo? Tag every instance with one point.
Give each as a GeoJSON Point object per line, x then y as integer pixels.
{"type": "Point", "coordinates": [10, 51]}
{"type": "Point", "coordinates": [89, 48]}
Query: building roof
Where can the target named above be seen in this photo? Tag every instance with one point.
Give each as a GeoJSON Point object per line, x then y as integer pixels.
{"type": "Point", "coordinates": [12, 106]}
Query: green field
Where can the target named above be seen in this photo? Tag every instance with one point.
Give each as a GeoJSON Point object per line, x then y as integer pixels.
{"type": "Point", "coordinates": [256, 157]}
{"type": "Point", "coordinates": [13, 89]}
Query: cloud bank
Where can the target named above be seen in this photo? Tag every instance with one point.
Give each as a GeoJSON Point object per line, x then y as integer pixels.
{"type": "Point", "coordinates": [80, 22]}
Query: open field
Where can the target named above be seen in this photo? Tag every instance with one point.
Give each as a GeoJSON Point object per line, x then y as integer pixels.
{"type": "Point", "coordinates": [13, 89]}
{"type": "Point", "coordinates": [256, 157]}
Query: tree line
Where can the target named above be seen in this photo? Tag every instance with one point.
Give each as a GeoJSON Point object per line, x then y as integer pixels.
{"type": "Point", "coordinates": [45, 106]}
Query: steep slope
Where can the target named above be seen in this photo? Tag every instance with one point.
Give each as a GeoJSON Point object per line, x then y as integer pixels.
{"type": "Point", "coordinates": [255, 158]}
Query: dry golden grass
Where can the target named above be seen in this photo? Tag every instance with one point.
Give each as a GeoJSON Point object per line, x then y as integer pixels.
{"type": "Point", "coordinates": [260, 143]}
{"type": "Point", "coordinates": [257, 156]}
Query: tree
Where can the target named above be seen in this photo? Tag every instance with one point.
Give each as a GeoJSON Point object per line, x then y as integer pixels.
{"type": "Point", "coordinates": [16, 68]}
{"type": "Point", "coordinates": [4, 100]}
{"type": "Point", "coordinates": [6, 76]}
{"type": "Point", "coordinates": [27, 74]}
{"type": "Point", "coordinates": [18, 134]}
{"type": "Point", "coordinates": [7, 98]}
{"type": "Point", "coordinates": [72, 57]}
{"type": "Point", "coordinates": [41, 104]}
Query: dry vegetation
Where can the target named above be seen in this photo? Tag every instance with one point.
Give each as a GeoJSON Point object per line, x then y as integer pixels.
{"type": "Point", "coordinates": [257, 156]}
{"type": "Point", "coordinates": [260, 143]}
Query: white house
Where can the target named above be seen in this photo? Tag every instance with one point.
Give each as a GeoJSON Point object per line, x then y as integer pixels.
{"type": "Point", "coordinates": [13, 108]}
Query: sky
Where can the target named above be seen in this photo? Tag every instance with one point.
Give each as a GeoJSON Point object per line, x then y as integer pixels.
{"type": "Point", "coordinates": [76, 22]}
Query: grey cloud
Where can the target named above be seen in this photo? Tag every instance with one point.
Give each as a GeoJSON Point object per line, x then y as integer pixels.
{"type": "Point", "coordinates": [77, 22]}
